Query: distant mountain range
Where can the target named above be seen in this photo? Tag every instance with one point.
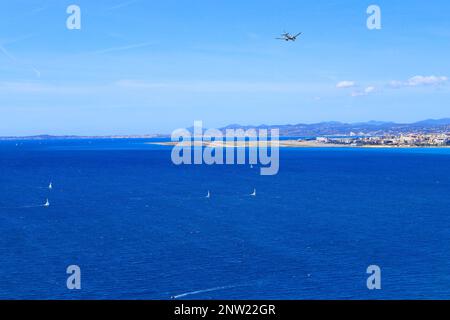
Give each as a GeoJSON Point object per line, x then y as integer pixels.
{"type": "Point", "coordinates": [361, 128]}
{"type": "Point", "coordinates": [332, 128]}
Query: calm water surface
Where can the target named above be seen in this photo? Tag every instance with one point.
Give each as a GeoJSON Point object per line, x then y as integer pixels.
{"type": "Point", "coordinates": [141, 228]}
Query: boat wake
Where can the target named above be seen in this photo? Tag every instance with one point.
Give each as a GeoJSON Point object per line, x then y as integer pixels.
{"type": "Point", "coordinates": [202, 291]}
{"type": "Point", "coordinates": [26, 207]}
{"type": "Point", "coordinates": [45, 205]}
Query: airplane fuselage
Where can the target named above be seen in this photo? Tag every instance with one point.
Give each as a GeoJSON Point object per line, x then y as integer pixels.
{"type": "Point", "coordinates": [288, 37]}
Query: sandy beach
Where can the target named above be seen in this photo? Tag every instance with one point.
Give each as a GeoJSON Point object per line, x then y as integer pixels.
{"type": "Point", "coordinates": [281, 144]}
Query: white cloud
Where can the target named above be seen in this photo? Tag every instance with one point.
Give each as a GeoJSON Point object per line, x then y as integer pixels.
{"type": "Point", "coordinates": [345, 84]}
{"type": "Point", "coordinates": [368, 90]}
{"type": "Point", "coordinates": [417, 81]}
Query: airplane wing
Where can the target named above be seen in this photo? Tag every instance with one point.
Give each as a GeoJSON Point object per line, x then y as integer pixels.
{"type": "Point", "coordinates": [298, 34]}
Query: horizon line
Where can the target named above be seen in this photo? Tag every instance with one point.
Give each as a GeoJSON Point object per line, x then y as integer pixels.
{"type": "Point", "coordinates": [229, 126]}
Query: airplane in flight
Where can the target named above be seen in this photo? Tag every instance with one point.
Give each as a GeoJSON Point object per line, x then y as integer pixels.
{"type": "Point", "coordinates": [288, 37]}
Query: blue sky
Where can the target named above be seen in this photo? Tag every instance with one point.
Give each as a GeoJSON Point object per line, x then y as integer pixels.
{"type": "Point", "coordinates": [145, 66]}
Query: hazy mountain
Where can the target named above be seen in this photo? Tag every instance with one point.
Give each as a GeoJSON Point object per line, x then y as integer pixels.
{"type": "Point", "coordinates": [304, 130]}
{"type": "Point", "coordinates": [433, 122]}
{"type": "Point", "coordinates": [368, 128]}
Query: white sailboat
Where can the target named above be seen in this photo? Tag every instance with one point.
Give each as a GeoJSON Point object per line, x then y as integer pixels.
{"type": "Point", "coordinates": [50, 186]}
{"type": "Point", "coordinates": [47, 204]}
{"type": "Point", "coordinates": [254, 193]}
{"type": "Point", "coordinates": [208, 195]}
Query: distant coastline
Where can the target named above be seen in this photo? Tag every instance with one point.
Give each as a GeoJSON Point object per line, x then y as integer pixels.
{"type": "Point", "coordinates": [322, 129]}
{"type": "Point", "coordinates": [73, 137]}
{"type": "Point", "coordinates": [289, 144]}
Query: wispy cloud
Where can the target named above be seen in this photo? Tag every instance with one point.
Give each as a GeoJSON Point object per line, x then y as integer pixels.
{"type": "Point", "coordinates": [224, 86]}
{"type": "Point", "coordinates": [345, 84]}
{"type": "Point", "coordinates": [37, 10]}
{"type": "Point", "coordinates": [7, 54]}
{"type": "Point", "coordinates": [253, 35]}
{"type": "Point", "coordinates": [122, 4]}
{"type": "Point", "coordinates": [131, 86]}
{"type": "Point", "coordinates": [13, 59]}
{"type": "Point", "coordinates": [36, 72]}
{"type": "Point", "coordinates": [26, 87]}
{"type": "Point", "coordinates": [123, 48]}
{"type": "Point", "coordinates": [417, 81]}
{"type": "Point", "coordinates": [7, 42]}
{"type": "Point", "coordinates": [368, 90]}
{"type": "Point", "coordinates": [413, 82]}
{"type": "Point", "coordinates": [38, 87]}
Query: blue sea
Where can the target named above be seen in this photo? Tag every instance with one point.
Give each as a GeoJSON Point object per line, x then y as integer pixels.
{"type": "Point", "coordinates": [140, 227]}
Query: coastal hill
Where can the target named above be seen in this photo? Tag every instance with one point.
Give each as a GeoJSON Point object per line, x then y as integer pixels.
{"type": "Point", "coordinates": [362, 128]}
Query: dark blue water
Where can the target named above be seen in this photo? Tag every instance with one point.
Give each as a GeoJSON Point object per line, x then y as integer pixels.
{"type": "Point", "coordinates": [140, 227]}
